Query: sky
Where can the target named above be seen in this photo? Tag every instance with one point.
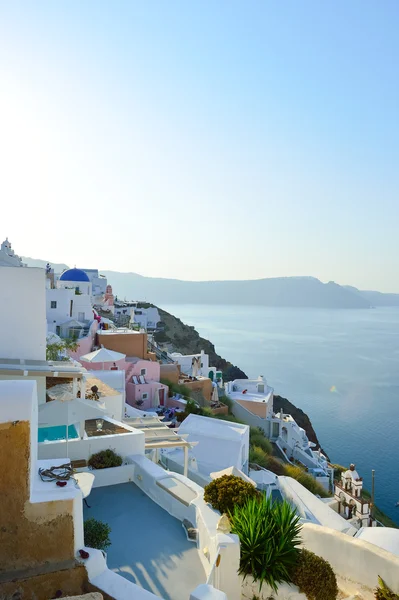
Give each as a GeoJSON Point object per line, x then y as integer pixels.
{"type": "Point", "coordinates": [203, 140]}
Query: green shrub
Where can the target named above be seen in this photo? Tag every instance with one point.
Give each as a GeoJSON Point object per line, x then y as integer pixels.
{"type": "Point", "coordinates": [96, 534]}
{"type": "Point", "coordinates": [227, 402]}
{"type": "Point", "coordinates": [382, 592]}
{"type": "Point", "coordinates": [258, 456]}
{"type": "Point", "coordinates": [230, 418]}
{"type": "Point", "coordinates": [269, 538]}
{"type": "Point", "coordinates": [275, 466]}
{"type": "Point", "coordinates": [192, 408]}
{"type": "Point", "coordinates": [314, 577]}
{"type": "Point", "coordinates": [105, 459]}
{"type": "Point", "coordinates": [257, 438]}
{"type": "Point", "coordinates": [180, 416]}
{"type": "Point", "coordinates": [338, 469]}
{"type": "Point", "coordinates": [306, 480]}
{"type": "Point", "coordinates": [206, 412]}
{"type": "Point", "coordinates": [228, 491]}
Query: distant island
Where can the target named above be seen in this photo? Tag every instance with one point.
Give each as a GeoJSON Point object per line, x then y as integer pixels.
{"type": "Point", "coordinates": [300, 292]}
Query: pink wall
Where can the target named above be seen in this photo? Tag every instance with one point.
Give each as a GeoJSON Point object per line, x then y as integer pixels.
{"type": "Point", "coordinates": [135, 392]}
{"type": "Point", "coordinates": [153, 369]}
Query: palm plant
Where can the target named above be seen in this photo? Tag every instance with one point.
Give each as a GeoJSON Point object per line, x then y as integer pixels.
{"type": "Point", "coordinates": [269, 537]}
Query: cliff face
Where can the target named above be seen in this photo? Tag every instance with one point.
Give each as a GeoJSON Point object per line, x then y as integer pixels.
{"type": "Point", "coordinates": [185, 339]}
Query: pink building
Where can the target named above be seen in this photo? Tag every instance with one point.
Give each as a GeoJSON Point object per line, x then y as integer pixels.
{"type": "Point", "coordinates": [143, 386]}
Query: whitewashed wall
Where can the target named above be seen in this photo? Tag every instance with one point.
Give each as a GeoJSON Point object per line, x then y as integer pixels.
{"type": "Point", "coordinates": [352, 559]}
{"type": "Point", "coordinates": [124, 444]}
{"type": "Point", "coordinates": [250, 419]}
{"type": "Point", "coordinates": [23, 320]}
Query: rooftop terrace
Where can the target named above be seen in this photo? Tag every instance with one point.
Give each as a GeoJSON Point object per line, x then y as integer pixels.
{"type": "Point", "coordinates": [149, 547]}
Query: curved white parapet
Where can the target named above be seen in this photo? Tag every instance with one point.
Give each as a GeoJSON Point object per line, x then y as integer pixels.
{"type": "Point", "coordinates": [111, 583]}
{"type": "Point", "coordinates": [207, 592]}
{"type": "Point", "coordinates": [353, 560]}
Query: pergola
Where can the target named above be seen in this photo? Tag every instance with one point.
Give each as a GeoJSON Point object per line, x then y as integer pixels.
{"type": "Point", "coordinates": [158, 435]}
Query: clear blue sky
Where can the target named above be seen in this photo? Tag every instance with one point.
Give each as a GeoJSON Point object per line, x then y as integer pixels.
{"type": "Point", "coordinates": [203, 140]}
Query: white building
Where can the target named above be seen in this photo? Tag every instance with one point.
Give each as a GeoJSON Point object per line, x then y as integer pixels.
{"type": "Point", "coordinates": [75, 279]}
{"type": "Point", "coordinates": [254, 395]}
{"type": "Point", "coordinates": [147, 318]}
{"type": "Point", "coordinates": [23, 333]}
{"type": "Point", "coordinates": [348, 496]}
{"type": "Point", "coordinates": [219, 445]}
{"type": "Point", "coordinates": [253, 403]}
{"type": "Point", "coordinates": [63, 306]}
{"type": "Point", "coordinates": [8, 258]}
{"type": "Point", "coordinates": [197, 365]}
{"type": "Point", "coordinates": [98, 282]}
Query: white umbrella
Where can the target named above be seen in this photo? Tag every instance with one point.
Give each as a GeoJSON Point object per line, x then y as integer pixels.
{"type": "Point", "coordinates": [67, 410]}
{"type": "Point", "coordinates": [102, 355]}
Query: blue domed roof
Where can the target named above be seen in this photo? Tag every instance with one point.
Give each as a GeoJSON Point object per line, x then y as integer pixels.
{"type": "Point", "coordinates": [74, 275]}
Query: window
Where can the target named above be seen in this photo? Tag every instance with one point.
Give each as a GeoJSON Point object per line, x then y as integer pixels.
{"type": "Point", "coordinates": [53, 304]}
{"type": "Point", "coordinates": [143, 372]}
{"type": "Point", "coordinates": [144, 396]}
{"type": "Point", "coordinates": [261, 388]}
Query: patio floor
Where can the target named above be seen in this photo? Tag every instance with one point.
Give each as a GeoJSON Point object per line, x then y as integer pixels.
{"type": "Point", "coordinates": [149, 547]}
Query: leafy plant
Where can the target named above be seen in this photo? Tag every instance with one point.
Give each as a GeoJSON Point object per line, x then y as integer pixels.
{"type": "Point", "coordinates": [314, 577]}
{"type": "Point", "coordinates": [269, 536]}
{"type": "Point", "coordinates": [275, 466]}
{"type": "Point", "coordinates": [56, 350]}
{"type": "Point", "coordinates": [228, 491]}
{"type": "Point", "coordinates": [306, 480]}
{"type": "Point", "coordinates": [96, 534]}
{"type": "Point", "coordinates": [383, 592]}
{"type": "Point", "coordinates": [258, 456]}
{"type": "Point", "coordinates": [105, 459]}
{"type": "Point", "coordinates": [227, 402]}
{"type": "Point", "coordinates": [257, 438]}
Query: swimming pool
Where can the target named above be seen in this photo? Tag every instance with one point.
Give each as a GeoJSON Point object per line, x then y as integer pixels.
{"type": "Point", "coordinates": [53, 434]}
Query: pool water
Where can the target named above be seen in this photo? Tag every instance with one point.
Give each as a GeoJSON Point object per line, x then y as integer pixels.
{"type": "Point", "coordinates": [53, 434]}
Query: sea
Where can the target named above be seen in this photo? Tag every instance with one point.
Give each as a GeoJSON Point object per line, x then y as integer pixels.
{"type": "Point", "coordinates": [340, 366]}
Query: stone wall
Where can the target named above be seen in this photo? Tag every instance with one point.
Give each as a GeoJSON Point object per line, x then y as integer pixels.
{"type": "Point", "coordinates": [32, 536]}
{"type": "Point", "coordinates": [42, 587]}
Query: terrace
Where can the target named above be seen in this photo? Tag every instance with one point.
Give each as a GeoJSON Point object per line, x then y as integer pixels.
{"type": "Point", "coordinates": [149, 546]}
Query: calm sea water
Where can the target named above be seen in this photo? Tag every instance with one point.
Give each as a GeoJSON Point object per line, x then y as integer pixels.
{"type": "Point", "coordinates": [340, 366]}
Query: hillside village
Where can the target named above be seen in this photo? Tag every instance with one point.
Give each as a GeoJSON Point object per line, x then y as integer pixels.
{"type": "Point", "coordinates": [134, 457]}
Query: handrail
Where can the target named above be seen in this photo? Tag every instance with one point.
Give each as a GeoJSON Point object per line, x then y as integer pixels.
{"type": "Point", "coordinates": [161, 354]}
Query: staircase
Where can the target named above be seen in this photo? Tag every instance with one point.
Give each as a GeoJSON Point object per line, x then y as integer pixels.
{"type": "Point", "coordinates": [161, 355]}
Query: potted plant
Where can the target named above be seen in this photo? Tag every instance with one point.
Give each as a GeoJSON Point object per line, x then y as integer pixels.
{"type": "Point", "coordinates": [105, 459]}
{"type": "Point", "coordinates": [96, 534]}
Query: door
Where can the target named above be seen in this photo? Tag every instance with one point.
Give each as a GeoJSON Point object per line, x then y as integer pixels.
{"type": "Point", "coordinates": [161, 397]}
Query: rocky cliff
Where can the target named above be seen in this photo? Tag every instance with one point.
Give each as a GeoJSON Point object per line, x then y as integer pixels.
{"type": "Point", "coordinates": [183, 338]}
